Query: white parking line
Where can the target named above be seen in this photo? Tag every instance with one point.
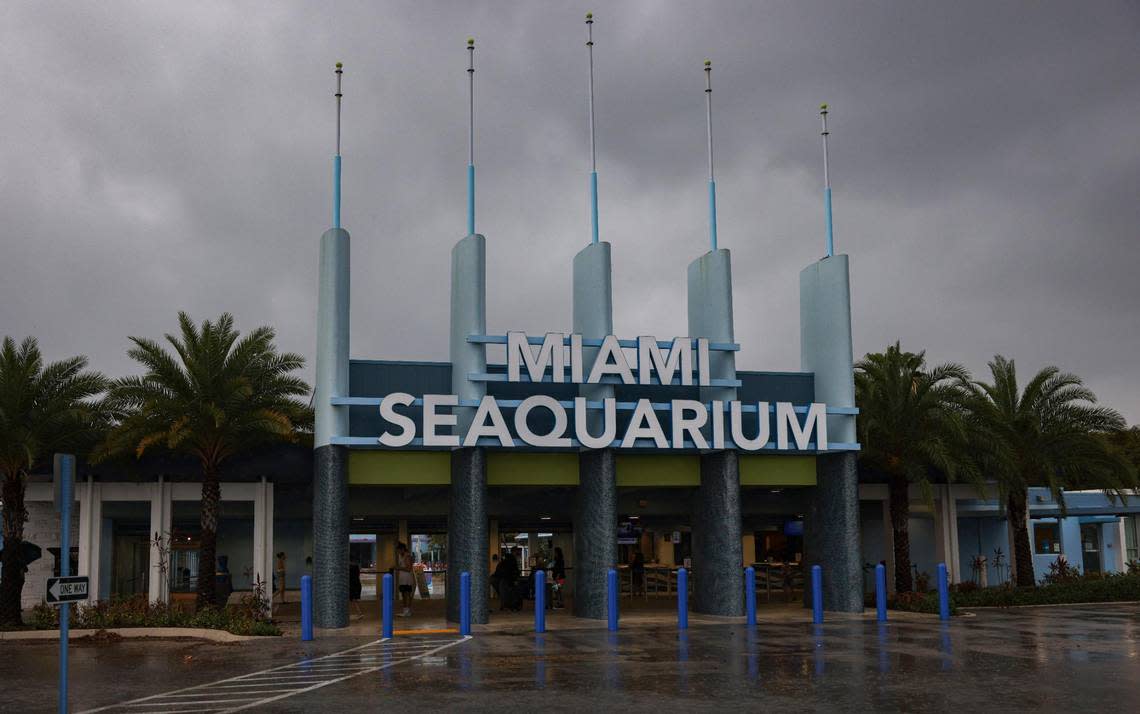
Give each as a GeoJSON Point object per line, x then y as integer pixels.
{"type": "Point", "coordinates": [250, 690]}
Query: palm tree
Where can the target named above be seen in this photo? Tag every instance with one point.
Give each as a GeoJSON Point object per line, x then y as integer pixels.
{"type": "Point", "coordinates": [43, 409]}
{"type": "Point", "coordinates": [911, 427]}
{"type": "Point", "coordinates": [216, 396]}
{"type": "Point", "coordinates": [1049, 434]}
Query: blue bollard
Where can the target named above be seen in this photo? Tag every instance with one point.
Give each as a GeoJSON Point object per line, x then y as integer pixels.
{"type": "Point", "coordinates": [881, 592]}
{"type": "Point", "coordinates": [540, 601]}
{"type": "Point", "coordinates": [389, 601]}
{"type": "Point", "coordinates": [943, 593]}
{"type": "Point", "coordinates": [817, 595]}
{"type": "Point", "coordinates": [750, 595]}
{"type": "Point", "coordinates": [612, 600]}
{"type": "Point", "coordinates": [465, 603]}
{"type": "Point", "coordinates": [682, 599]}
{"type": "Point", "coordinates": [306, 608]}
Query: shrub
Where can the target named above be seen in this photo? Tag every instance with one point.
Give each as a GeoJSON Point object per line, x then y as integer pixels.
{"type": "Point", "coordinates": [45, 617]}
{"type": "Point", "coordinates": [922, 582]}
{"type": "Point", "coordinates": [137, 611]}
{"type": "Point", "coordinates": [919, 602]}
{"type": "Point", "coordinates": [1061, 572]}
{"type": "Point", "coordinates": [1113, 587]}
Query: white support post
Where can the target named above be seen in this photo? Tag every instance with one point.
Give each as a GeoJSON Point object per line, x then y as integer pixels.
{"type": "Point", "coordinates": [269, 549]}
{"type": "Point", "coordinates": [888, 545]}
{"type": "Point", "coordinates": [160, 519]}
{"type": "Point", "coordinates": [260, 556]}
{"type": "Point", "coordinates": [1121, 546]}
{"type": "Point", "coordinates": [91, 536]}
{"type": "Point", "coordinates": [952, 533]}
{"type": "Point", "coordinates": [84, 496]}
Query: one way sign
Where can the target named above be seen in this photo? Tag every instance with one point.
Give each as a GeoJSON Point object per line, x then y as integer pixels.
{"type": "Point", "coordinates": [69, 589]}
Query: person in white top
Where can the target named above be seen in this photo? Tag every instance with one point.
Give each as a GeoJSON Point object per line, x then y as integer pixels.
{"type": "Point", "coordinates": [405, 579]}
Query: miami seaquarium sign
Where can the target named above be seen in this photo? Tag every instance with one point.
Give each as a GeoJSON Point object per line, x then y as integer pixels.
{"type": "Point", "coordinates": [592, 423]}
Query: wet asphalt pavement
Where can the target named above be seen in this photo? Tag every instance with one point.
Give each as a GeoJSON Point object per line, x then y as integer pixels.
{"type": "Point", "coordinates": [1048, 659]}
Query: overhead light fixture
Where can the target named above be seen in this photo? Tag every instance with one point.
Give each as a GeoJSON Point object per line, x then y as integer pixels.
{"type": "Point", "coordinates": [544, 518]}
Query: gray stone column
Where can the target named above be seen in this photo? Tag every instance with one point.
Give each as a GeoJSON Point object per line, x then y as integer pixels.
{"type": "Point", "coordinates": [717, 547]}
{"type": "Point", "coordinates": [831, 530]}
{"type": "Point", "coordinates": [718, 553]}
{"type": "Point", "coordinates": [831, 534]}
{"type": "Point", "coordinates": [330, 536]}
{"type": "Point", "coordinates": [467, 537]}
{"type": "Point", "coordinates": [595, 503]}
{"type": "Point", "coordinates": [330, 462]}
{"type": "Point", "coordinates": [595, 531]}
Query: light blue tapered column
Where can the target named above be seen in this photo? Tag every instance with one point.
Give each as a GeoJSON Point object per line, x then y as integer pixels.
{"type": "Point", "coordinates": [832, 527]}
{"type": "Point", "coordinates": [718, 552]}
{"type": "Point", "coordinates": [330, 476]}
{"type": "Point", "coordinates": [467, 525]}
{"type": "Point", "coordinates": [595, 505]}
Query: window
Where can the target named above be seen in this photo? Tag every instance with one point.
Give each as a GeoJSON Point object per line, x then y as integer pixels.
{"type": "Point", "coordinates": [1046, 538]}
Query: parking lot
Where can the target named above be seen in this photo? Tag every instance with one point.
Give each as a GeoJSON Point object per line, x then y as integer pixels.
{"type": "Point", "coordinates": [1074, 658]}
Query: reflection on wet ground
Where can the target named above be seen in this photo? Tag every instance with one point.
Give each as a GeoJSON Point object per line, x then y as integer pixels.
{"type": "Point", "coordinates": [1042, 658]}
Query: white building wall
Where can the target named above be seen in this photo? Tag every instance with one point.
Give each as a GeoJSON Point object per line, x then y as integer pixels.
{"type": "Point", "coordinates": [43, 529]}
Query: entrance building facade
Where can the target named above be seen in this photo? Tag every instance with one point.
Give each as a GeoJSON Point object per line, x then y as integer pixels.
{"type": "Point", "coordinates": [590, 429]}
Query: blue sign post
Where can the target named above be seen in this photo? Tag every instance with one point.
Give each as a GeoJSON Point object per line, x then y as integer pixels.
{"type": "Point", "coordinates": [65, 473]}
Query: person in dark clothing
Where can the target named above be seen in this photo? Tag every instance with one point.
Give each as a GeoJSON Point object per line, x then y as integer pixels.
{"type": "Point", "coordinates": [504, 577]}
{"type": "Point", "coordinates": [637, 570]}
{"type": "Point", "coordinates": [355, 587]}
{"type": "Point", "coordinates": [558, 568]}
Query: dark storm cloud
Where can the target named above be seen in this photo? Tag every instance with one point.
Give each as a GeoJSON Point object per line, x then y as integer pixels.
{"type": "Point", "coordinates": [159, 157]}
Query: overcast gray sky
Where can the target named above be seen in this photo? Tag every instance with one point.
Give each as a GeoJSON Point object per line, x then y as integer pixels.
{"type": "Point", "coordinates": [985, 162]}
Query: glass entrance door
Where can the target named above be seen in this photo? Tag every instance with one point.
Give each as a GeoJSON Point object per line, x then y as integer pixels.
{"type": "Point", "coordinates": [1090, 547]}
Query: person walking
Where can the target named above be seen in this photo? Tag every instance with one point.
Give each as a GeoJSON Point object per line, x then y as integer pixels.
{"type": "Point", "coordinates": [281, 575]}
{"type": "Point", "coordinates": [405, 578]}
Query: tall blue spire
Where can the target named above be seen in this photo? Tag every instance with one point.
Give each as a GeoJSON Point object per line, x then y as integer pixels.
{"type": "Point", "coordinates": [471, 136]}
{"type": "Point", "coordinates": [336, 157]}
{"type": "Point", "coordinates": [826, 184]}
{"type": "Point", "coordinates": [593, 145]}
{"type": "Point", "coordinates": [712, 178]}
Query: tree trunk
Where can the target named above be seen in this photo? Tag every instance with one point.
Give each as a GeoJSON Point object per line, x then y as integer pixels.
{"type": "Point", "coordinates": [900, 530]}
{"type": "Point", "coordinates": [1022, 555]}
{"type": "Point", "coordinates": [14, 516]}
{"type": "Point", "coordinates": [208, 550]}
